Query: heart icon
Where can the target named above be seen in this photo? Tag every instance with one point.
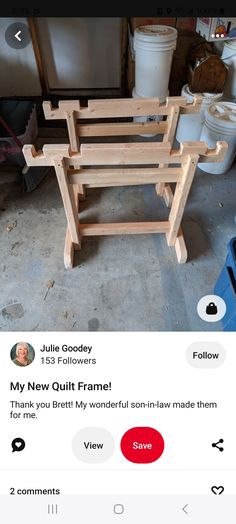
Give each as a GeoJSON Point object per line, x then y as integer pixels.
{"type": "Point", "coordinates": [217, 490]}
{"type": "Point", "coordinates": [18, 444]}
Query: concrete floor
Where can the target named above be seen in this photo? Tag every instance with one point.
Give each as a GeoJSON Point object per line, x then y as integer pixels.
{"type": "Point", "coordinates": [126, 283]}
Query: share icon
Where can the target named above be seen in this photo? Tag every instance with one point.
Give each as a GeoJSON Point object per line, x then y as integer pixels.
{"type": "Point", "coordinates": [216, 445]}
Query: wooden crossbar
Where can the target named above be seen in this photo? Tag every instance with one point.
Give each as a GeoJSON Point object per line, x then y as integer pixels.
{"type": "Point", "coordinates": [88, 165]}
{"type": "Point", "coordinates": [73, 112]}
{"type": "Point", "coordinates": [129, 228]}
{"type": "Point", "coordinates": [126, 107]}
{"type": "Point", "coordinates": [139, 153]}
{"type": "Point", "coordinates": [121, 128]}
{"type": "Point", "coordinates": [126, 176]}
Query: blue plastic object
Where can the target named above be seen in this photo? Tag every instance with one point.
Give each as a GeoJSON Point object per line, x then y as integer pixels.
{"type": "Point", "coordinates": [226, 287]}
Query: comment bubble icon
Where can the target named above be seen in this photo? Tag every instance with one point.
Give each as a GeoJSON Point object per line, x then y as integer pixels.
{"type": "Point", "coordinates": [18, 444]}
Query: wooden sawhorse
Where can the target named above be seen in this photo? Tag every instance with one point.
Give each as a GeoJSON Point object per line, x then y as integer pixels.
{"type": "Point", "coordinates": [74, 114]}
{"type": "Point", "coordinates": [92, 166]}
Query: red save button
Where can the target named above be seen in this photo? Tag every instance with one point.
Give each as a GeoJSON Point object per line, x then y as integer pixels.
{"type": "Point", "coordinates": [142, 445]}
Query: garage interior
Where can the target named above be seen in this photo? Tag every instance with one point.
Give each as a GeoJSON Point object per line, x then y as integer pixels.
{"type": "Point", "coordinates": [118, 283]}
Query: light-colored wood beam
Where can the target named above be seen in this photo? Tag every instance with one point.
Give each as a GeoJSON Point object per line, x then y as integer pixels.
{"type": "Point", "coordinates": [124, 228]}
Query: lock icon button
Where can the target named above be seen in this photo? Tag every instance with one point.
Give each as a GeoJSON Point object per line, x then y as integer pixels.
{"type": "Point", "coordinates": [211, 309]}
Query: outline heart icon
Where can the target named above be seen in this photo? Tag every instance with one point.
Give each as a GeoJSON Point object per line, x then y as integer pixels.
{"type": "Point", "coordinates": [217, 490]}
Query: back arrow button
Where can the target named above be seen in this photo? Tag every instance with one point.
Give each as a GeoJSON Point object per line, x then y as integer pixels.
{"type": "Point", "coordinates": [184, 509]}
{"type": "Point", "coordinates": [17, 36]}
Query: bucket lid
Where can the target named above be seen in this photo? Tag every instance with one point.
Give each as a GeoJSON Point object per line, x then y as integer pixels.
{"type": "Point", "coordinates": [207, 98]}
{"type": "Point", "coordinates": [155, 33]}
{"type": "Point", "coordinates": [230, 43]}
{"type": "Point", "coordinates": [223, 112]}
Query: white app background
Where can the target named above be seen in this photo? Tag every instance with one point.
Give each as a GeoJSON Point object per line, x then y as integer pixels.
{"type": "Point", "coordinates": [136, 369]}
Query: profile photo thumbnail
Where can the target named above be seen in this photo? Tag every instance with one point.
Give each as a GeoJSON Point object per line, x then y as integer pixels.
{"type": "Point", "coordinates": [22, 354]}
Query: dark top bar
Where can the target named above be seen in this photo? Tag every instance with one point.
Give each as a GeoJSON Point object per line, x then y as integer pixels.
{"type": "Point", "coordinates": [115, 9]}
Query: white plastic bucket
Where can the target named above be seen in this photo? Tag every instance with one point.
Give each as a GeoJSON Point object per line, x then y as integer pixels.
{"type": "Point", "coordinates": [148, 118]}
{"type": "Point", "coordinates": [220, 124]}
{"type": "Point", "coordinates": [229, 58]}
{"type": "Point", "coordinates": [154, 46]}
{"type": "Point", "coordinates": [190, 126]}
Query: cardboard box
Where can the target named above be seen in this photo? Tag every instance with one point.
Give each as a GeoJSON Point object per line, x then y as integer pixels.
{"type": "Point", "coordinates": [209, 76]}
{"type": "Point", "coordinates": [179, 70]}
{"type": "Point", "coordinates": [136, 21]}
{"type": "Point", "coordinates": [216, 28]}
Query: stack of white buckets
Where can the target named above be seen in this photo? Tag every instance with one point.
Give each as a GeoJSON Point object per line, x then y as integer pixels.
{"type": "Point", "coordinates": [216, 119]}
{"type": "Point", "coordinates": [154, 46]}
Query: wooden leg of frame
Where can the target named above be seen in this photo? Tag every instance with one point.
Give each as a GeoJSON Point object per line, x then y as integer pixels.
{"type": "Point", "coordinates": [71, 125]}
{"type": "Point", "coordinates": [81, 191]}
{"type": "Point", "coordinates": [163, 189]}
{"type": "Point", "coordinates": [68, 251]}
{"type": "Point", "coordinates": [168, 195]}
{"type": "Point", "coordinates": [160, 188]}
{"type": "Point", "coordinates": [70, 246]}
{"type": "Point", "coordinates": [68, 199]}
{"type": "Point", "coordinates": [180, 199]}
{"type": "Point", "coordinates": [180, 248]}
